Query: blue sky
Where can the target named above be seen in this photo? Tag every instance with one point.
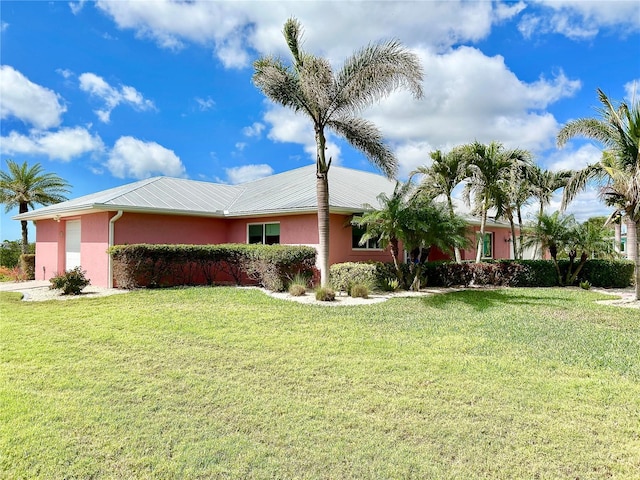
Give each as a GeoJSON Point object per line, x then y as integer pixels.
{"type": "Point", "coordinates": [106, 93]}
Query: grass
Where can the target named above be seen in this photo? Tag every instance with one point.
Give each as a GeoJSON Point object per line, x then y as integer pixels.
{"type": "Point", "coordinates": [231, 383]}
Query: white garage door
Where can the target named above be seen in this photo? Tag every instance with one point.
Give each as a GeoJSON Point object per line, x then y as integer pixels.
{"type": "Point", "coordinates": [72, 245]}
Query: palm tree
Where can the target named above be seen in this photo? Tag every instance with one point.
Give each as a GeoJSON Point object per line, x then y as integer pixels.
{"type": "Point", "coordinates": [24, 187]}
{"type": "Point", "coordinates": [387, 224]}
{"type": "Point", "coordinates": [553, 232]}
{"type": "Point", "coordinates": [618, 171]}
{"type": "Point", "coordinates": [489, 167]}
{"type": "Point", "coordinates": [416, 221]}
{"type": "Point", "coordinates": [441, 177]}
{"type": "Point", "coordinates": [544, 183]}
{"type": "Point", "coordinates": [334, 99]}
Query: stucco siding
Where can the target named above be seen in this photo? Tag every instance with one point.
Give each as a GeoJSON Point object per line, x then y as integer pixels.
{"type": "Point", "coordinates": [49, 248]}
{"type": "Point", "coordinates": [95, 241]}
{"type": "Point", "coordinates": [171, 229]}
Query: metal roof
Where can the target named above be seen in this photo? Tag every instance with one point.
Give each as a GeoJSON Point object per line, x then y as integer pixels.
{"type": "Point", "coordinates": [293, 191]}
{"type": "Point", "coordinates": [288, 192]}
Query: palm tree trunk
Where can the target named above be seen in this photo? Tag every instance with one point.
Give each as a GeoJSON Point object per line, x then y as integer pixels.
{"type": "Point", "coordinates": [456, 250]}
{"type": "Point", "coordinates": [322, 196]}
{"type": "Point", "coordinates": [520, 236]}
{"type": "Point", "coordinates": [618, 237]}
{"type": "Point", "coordinates": [632, 251]}
{"type": "Point", "coordinates": [514, 240]}
{"type": "Point", "coordinates": [23, 208]}
{"type": "Point", "coordinates": [483, 224]}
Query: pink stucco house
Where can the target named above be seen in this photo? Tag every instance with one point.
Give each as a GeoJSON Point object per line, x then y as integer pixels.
{"type": "Point", "coordinates": [277, 209]}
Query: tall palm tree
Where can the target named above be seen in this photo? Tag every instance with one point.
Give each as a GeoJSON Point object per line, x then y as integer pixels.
{"type": "Point", "coordinates": [24, 187]}
{"type": "Point", "coordinates": [544, 184]}
{"type": "Point", "coordinates": [489, 167]}
{"type": "Point", "coordinates": [332, 100]}
{"type": "Point", "coordinates": [618, 171]}
{"type": "Point", "coordinates": [446, 172]}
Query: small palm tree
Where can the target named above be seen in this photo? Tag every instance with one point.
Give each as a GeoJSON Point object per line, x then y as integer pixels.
{"type": "Point", "coordinates": [489, 168]}
{"type": "Point", "coordinates": [416, 221]}
{"type": "Point", "coordinates": [24, 187]}
{"type": "Point", "coordinates": [618, 171]}
{"type": "Point", "coordinates": [332, 100]}
{"type": "Point", "coordinates": [446, 172]}
{"type": "Point", "coordinates": [553, 232]}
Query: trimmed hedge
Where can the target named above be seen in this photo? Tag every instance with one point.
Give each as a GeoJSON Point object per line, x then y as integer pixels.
{"type": "Point", "coordinates": [145, 265]}
{"type": "Point", "coordinates": [509, 273]}
{"type": "Point", "coordinates": [343, 276]}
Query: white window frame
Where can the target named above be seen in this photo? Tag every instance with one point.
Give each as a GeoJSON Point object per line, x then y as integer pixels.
{"type": "Point", "coordinates": [264, 232]}
{"type": "Point", "coordinates": [364, 247]}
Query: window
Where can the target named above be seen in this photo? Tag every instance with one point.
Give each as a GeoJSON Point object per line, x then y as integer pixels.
{"type": "Point", "coordinates": [265, 233]}
{"type": "Point", "coordinates": [487, 246]}
{"type": "Point", "coordinates": [356, 235]}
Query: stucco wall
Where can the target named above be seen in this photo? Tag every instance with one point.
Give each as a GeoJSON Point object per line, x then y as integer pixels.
{"type": "Point", "coordinates": [145, 228]}
{"type": "Point", "coordinates": [94, 234]}
{"type": "Point", "coordinates": [49, 248]}
{"type": "Point", "coordinates": [502, 245]}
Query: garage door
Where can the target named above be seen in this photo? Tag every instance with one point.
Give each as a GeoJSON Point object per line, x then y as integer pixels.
{"type": "Point", "coordinates": [72, 245]}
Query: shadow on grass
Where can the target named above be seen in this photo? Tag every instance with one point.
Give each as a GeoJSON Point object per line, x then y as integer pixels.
{"type": "Point", "coordinates": [481, 299]}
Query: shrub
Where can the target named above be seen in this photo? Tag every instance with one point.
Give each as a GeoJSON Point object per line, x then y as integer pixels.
{"type": "Point", "coordinates": [389, 284]}
{"type": "Point", "coordinates": [585, 285]}
{"type": "Point", "coordinates": [297, 290]}
{"type": "Point", "coordinates": [70, 282]}
{"type": "Point", "coordinates": [298, 285]}
{"type": "Point", "coordinates": [608, 273]}
{"type": "Point", "coordinates": [358, 290]}
{"type": "Point", "coordinates": [11, 274]}
{"type": "Point", "coordinates": [28, 265]}
{"type": "Point", "coordinates": [325, 294]}
{"type": "Point", "coordinates": [344, 275]}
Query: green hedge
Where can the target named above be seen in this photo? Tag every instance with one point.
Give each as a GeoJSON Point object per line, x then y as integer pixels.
{"type": "Point", "coordinates": [145, 265]}
{"type": "Point", "coordinates": [511, 273]}
{"type": "Point", "coordinates": [343, 276]}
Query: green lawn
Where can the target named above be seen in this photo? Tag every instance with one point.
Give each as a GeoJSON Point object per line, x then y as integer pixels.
{"type": "Point", "coordinates": [231, 383]}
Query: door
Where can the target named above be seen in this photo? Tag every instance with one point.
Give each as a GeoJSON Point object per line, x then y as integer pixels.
{"type": "Point", "coordinates": [72, 245]}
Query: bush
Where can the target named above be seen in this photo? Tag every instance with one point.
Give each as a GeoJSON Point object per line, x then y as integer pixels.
{"type": "Point", "coordinates": [28, 265]}
{"type": "Point", "coordinates": [271, 266]}
{"type": "Point", "coordinates": [358, 290]}
{"type": "Point", "coordinates": [325, 294]}
{"type": "Point", "coordinates": [297, 290]}
{"type": "Point", "coordinates": [344, 275]}
{"type": "Point", "coordinates": [608, 273]}
{"type": "Point", "coordinates": [11, 274]}
{"type": "Point", "coordinates": [70, 282]}
{"type": "Point", "coordinates": [585, 285]}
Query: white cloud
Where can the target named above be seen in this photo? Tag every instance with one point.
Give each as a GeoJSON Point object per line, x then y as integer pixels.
{"type": "Point", "coordinates": [469, 96]}
{"type": "Point", "coordinates": [64, 144]}
{"type": "Point", "coordinates": [581, 20]}
{"type": "Point", "coordinates": [232, 29]}
{"type": "Point", "coordinates": [112, 97]}
{"type": "Point", "coordinates": [248, 173]}
{"type": "Point", "coordinates": [205, 104]}
{"type": "Point", "coordinates": [255, 130]}
{"type": "Point", "coordinates": [568, 159]}
{"type": "Point", "coordinates": [27, 101]}
{"type": "Point", "coordinates": [64, 72]}
{"type": "Point", "coordinates": [3, 26]}
{"type": "Point", "coordinates": [632, 91]}
{"type": "Point", "coordinates": [412, 155]}
{"type": "Point", "coordinates": [133, 158]}
{"type": "Point", "coordinates": [76, 7]}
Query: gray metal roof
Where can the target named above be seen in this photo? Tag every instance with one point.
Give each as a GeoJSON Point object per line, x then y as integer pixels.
{"type": "Point", "coordinates": [289, 192]}
{"type": "Point", "coordinates": [293, 191]}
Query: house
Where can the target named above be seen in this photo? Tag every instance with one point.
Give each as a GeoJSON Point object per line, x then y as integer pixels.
{"type": "Point", "coordinates": [161, 210]}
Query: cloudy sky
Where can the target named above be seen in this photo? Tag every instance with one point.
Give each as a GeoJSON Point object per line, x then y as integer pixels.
{"type": "Point", "coordinates": [105, 93]}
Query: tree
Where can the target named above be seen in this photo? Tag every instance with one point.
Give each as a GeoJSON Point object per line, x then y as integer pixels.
{"type": "Point", "coordinates": [618, 172]}
{"type": "Point", "coordinates": [441, 177]}
{"type": "Point", "coordinates": [24, 187]}
{"type": "Point", "coordinates": [418, 222]}
{"type": "Point", "coordinates": [332, 100]}
{"type": "Point", "coordinates": [489, 168]}
{"type": "Point", "coordinates": [552, 233]}
{"type": "Point", "coordinates": [544, 183]}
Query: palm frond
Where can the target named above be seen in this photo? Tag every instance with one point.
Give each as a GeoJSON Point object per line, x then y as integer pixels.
{"type": "Point", "coordinates": [367, 138]}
